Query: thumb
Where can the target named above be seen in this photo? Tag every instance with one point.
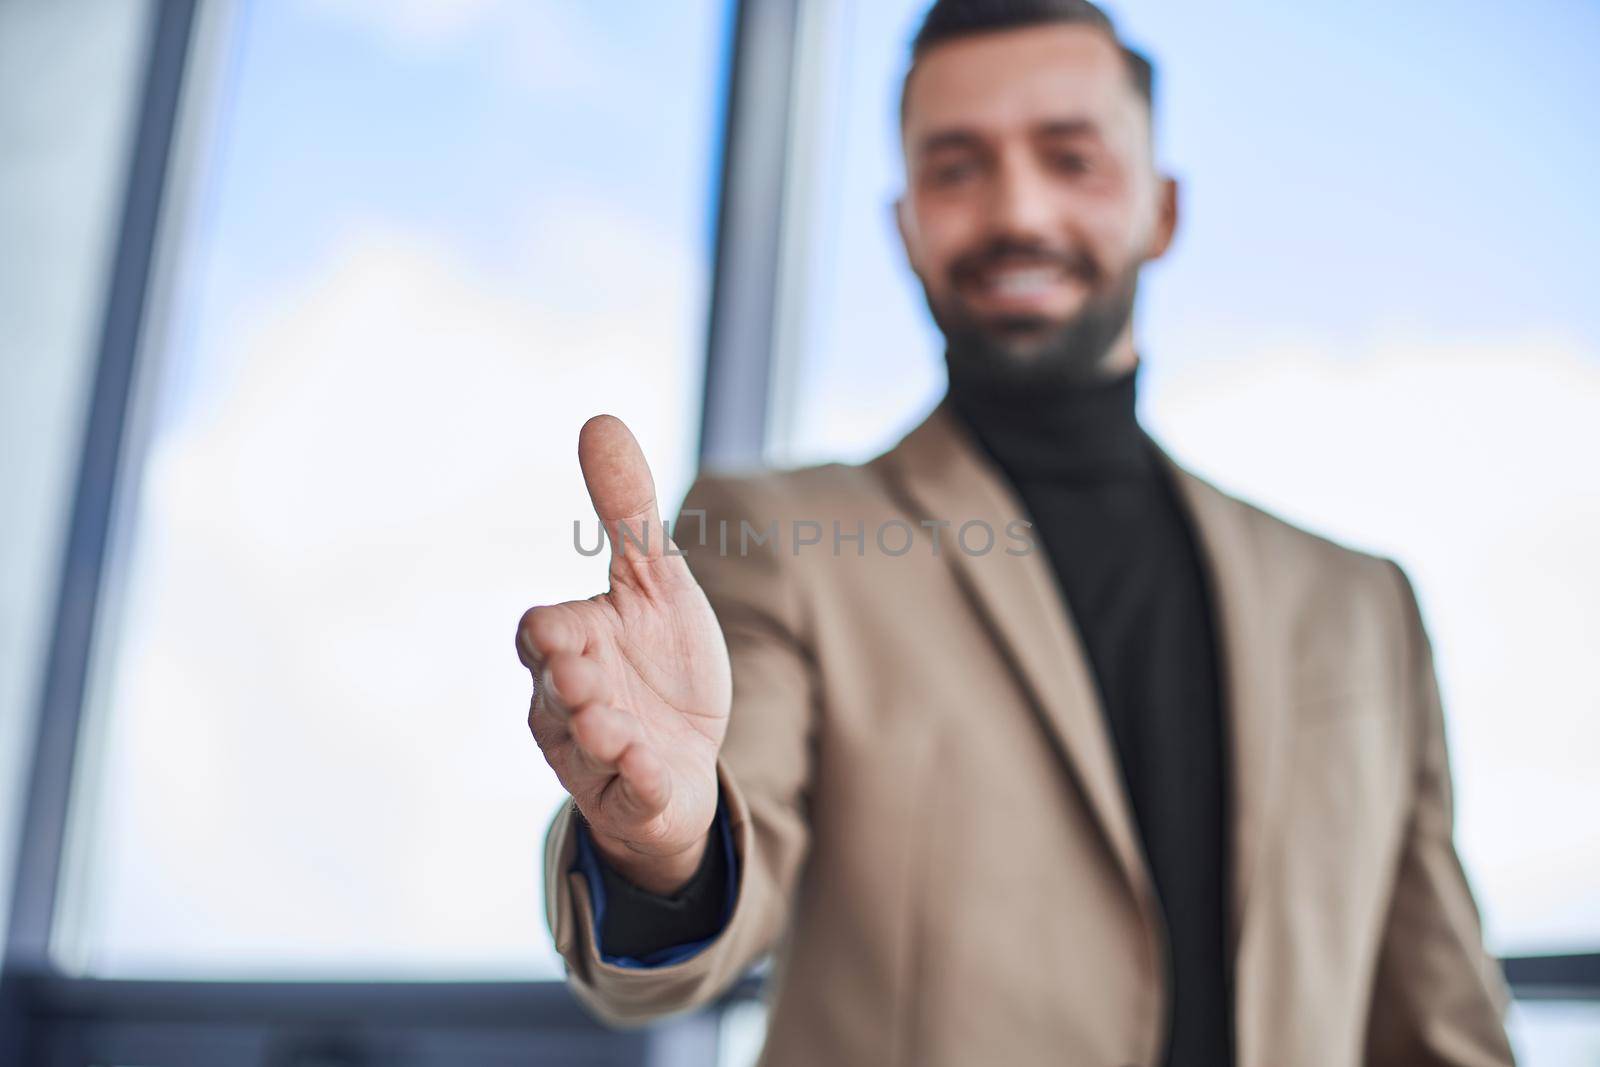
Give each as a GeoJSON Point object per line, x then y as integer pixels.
{"type": "Point", "coordinates": [623, 494]}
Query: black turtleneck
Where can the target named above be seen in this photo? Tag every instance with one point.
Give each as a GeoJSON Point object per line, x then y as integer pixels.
{"type": "Point", "coordinates": [1108, 515]}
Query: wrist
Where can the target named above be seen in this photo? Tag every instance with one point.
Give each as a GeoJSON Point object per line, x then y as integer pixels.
{"type": "Point", "coordinates": [660, 873]}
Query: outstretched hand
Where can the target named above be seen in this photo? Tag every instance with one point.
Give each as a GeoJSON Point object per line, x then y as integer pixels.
{"type": "Point", "coordinates": [632, 687]}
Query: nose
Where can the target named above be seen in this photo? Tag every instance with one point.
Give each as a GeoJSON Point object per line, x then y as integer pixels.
{"type": "Point", "coordinates": [1020, 206]}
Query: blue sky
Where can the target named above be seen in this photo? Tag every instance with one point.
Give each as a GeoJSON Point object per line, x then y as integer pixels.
{"type": "Point", "coordinates": [1349, 172]}
{"type": "Point", "coordinates": [1357, 162]}
{"type": "Point", "coordinates": [1346, 168]}
{"type": "Point", "coordinates": [469, 127]}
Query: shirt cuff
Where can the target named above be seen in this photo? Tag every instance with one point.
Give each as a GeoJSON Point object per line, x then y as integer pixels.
{"type": "Point", "coordinates": [597, 875]}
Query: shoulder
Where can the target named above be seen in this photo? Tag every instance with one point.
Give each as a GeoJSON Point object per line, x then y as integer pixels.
{"type": "Point", "coordinates": [1305, 557]}
{"type": "Point", "coordinates": [822, 493]}
{"type": "Point", "coordinates": [1336, 604]}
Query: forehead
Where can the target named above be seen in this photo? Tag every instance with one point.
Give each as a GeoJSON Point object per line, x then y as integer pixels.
{"type": "Point", "coordinates": [1013, 79]}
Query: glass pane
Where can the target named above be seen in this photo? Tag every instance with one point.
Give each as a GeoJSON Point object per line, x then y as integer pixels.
{"type": "Point", "coordinates": [1556, 1033]}
{"type": "Point", "coordinates": [1376, 322]}
{"type": "Point", "coordinates": [428, 242]}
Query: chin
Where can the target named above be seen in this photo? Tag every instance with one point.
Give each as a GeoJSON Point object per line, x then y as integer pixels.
{"type": "Point", "coordinates": [1018, 343]}
{"type": "Point", "coordinates": [1017, 353]}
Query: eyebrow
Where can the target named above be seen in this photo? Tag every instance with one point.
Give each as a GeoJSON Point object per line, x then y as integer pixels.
{"type": "Point", "coordinates": [958, 138]}
{"type": "Point", "coordinates": [1074, 127]}
{"type": "Point", "coordinates": [942, 140]}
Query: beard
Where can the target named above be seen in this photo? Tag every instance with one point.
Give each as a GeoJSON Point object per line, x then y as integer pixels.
{"type": "Point", "coordinates": [1030, 349]}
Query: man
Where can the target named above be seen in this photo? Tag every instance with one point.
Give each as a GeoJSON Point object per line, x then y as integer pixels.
{"type": "Point", "coordinates": [1161, 782]}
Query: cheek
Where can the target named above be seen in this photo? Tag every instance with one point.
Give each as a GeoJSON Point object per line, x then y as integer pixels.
{"type": "Point", "coordinates": [1111, 236]}
{"type": "Point", "coordinates": [1119, 230]}
{"type": "Point", "coordinates": [943, 231]}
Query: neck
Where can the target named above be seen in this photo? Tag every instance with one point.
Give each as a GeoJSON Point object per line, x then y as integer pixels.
{"type": "Point", "coordinates": [1121, 358]}
{"type": "Point", "coordinates": [1037, 428]}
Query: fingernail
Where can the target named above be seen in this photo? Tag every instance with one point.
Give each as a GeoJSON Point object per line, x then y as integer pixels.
{"type": "Point", "coordinates": [547, 682]}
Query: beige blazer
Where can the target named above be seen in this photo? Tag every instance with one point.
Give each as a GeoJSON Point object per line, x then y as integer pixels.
{"type": "Point", "coordinates": [934, 839]}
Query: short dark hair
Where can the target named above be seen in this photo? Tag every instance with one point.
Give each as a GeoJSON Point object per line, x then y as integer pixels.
{"type": "Point", "coordinates": [948, 20]}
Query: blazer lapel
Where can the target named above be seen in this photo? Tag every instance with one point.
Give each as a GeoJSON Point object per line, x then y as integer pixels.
{"type": "Point", "coordinates": [945, 478]}
{"type": "Point", "coordinates": [1253, 663]}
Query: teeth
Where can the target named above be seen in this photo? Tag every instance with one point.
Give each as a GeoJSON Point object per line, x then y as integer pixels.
{"type": "Point", "coordinates": [1023, 282]}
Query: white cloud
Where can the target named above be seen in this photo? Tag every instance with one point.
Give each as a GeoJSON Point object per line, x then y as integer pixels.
{"type": "Point", "coordinates": [1473, 464]}
{"type": "Point", "coordinates": [318, 759]}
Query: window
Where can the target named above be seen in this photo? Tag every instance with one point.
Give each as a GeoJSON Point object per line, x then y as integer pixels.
{"type": "Point", "coordinates": [425, 243]}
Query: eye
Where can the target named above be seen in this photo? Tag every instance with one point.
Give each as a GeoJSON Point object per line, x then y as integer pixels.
{"type": "Point", "coordinates": [1071, 162]}
{"type": "Point", "coordinates": [952, 173]}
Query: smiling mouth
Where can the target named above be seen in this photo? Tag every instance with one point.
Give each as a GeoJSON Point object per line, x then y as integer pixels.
{"type": "Point", "coordinates": [1022, 282]}
{"type": "Point", "coordinates": [1033, 286]}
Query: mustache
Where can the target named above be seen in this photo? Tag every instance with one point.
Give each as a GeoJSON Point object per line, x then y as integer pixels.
{"type": "Point", "coordinates": [1009, 252]}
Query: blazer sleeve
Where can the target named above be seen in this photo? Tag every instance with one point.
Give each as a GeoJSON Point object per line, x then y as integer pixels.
{"type": "Point", "coordinates": [1439, 998]}
{"type": "Point", "coordinates": [763, 771]}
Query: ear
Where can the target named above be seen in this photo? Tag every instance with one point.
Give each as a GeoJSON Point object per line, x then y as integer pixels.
{"type": "Point", "coordinates": [1166, 226]}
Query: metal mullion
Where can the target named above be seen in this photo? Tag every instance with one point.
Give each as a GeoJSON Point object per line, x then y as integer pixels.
{"type": "Point", "coordinates": [39, 852]}
{"type": "Point", "coordinates": [81, 1020]}
{"type": "Point", "coordinates": [741, 337]}
{"type": "Point", "coordinates": [1575, 976]}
